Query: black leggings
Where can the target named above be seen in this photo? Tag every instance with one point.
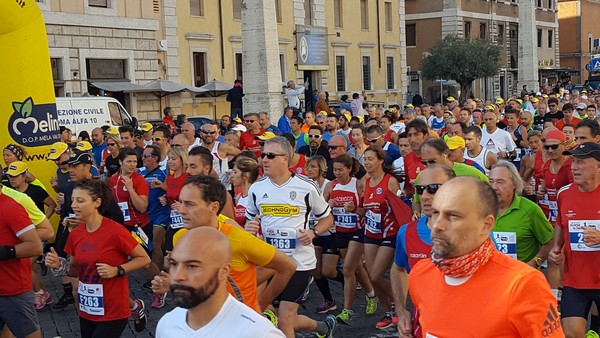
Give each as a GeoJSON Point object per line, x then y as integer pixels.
{"type": "Point", "coordinates": [109, 329]}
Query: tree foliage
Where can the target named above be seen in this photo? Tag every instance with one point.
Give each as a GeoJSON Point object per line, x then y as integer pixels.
{"type": "Point", "coordinates": [462, 60]}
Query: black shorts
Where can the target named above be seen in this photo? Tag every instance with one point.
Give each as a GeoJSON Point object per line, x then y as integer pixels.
{"type": "Point", "coordinates": [389, 242]}
{"type": "Point", "coordinates": [296, 290]}
{"type": "Point", "coordinates": [343, 238]}
{"type": "Point", "coordinates": [577, 302]}
{"type": "Point", "coordinates": [19, 314]}
{"type": "Point", "coordinates": [328, 244]}
{"type": "Point", "coordinates": [108, 329]}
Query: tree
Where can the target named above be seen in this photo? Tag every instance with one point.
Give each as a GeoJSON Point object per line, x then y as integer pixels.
{"type": "Point", "coordinates": [462, 60]}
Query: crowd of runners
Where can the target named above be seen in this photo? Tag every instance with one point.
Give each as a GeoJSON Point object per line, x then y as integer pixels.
{"type": "Point", "coordinates": [483, 215]}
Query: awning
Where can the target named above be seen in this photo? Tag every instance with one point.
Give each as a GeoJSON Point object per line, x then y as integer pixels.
{"type": "Point", "coordinates": [115, 86]}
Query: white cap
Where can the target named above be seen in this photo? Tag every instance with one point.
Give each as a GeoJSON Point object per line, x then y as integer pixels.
{"type": "Point", "coordinates": [538, 94]}
{"type": "Point", "coordinates": [581, 106]}
{"type": "Point", "coordinates": [240, 127]}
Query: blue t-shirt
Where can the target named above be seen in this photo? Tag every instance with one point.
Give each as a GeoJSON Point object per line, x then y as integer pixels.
{"type": "Point", "coordinates": [400, 256]}
{"type": "Point", "coordinates": [97, 152]}
{"type": "Point", "coordinates": [392, 153]}
{"type": "Point", "coordinates": [158, 213]}
{"type": "Point", "coordinates": [284, 125]}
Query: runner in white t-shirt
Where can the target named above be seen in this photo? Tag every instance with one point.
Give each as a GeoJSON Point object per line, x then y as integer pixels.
{"type": "Point", "coordinates": [496, 140]}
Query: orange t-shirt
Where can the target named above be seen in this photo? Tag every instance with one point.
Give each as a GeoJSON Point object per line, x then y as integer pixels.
{"type": "Point", "coordinates": [505, 298]}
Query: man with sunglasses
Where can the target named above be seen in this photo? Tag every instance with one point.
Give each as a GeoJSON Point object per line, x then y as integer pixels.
{"type": "Point", "coordinates": [337, 146]}
{"type": "Point", "coordinates": [160, 138]}
{"type": "Point", "coordinates": [413, 242]}
{"type": "Point", "coordinates": [315, 145]}
{"type": "Point", "coordinates": [220, 151]}
{"type": "Point", "coordinates": [282, 202]}
{"type": "Point", "coordinates": [254, 128]}
{"type": "Point", "coordinates": [554, 113]}
{"type": "Point", "coordinates": [375, 138]}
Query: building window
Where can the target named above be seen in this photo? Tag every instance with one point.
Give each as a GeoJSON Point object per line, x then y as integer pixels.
{"type": "Point", "coordinates": [539, 3]}
{"type": "Point", "coordinates": [308, 12]}
{"type": "Point", "coordinates": [501, 34]}
{"type": "Point", "coordinates": [278, 10]}
{"type": "Point", "coordinates": [467, 29]}
{"type": "Point", "coordinates": [282, 66]}
{"type": "Point", "coordinates": [105, 69]}
{"type": "Point", "coordinates": [364, 14]}
{"type": "Point", "coordinates": [482, 30]}
{"type": "Point", "coordinates": [59, 83]}
{"type": "Point", "coordinates": [411, 35]}
{"type": "Point", "coordinates": [366, 71]}
{"type": "Point", "coordinates": [550, 4]}
{"type": "Point", "coordinates": [550, 36]}
{"type": "Point", "coordinates": [237, 9]}
{"type": "Point", "coordinates": [199, 69]}
{"type": "Point", "coordinates": [388, 16]}
{"type": "Point", "coordinates": [197, 7]}
{"type": "Point", "coordinates": [338, 13]}
{"type": "Point", "coordinates": [539, 38]}
{"type": "Point", "coordinates": [238, 66]}
{"type": "Point", "coordinates": [98, 3]}
{"type": "Point", "coordinates": [390, 72]}
{"type": "Point", "coordinates": [340, 73]}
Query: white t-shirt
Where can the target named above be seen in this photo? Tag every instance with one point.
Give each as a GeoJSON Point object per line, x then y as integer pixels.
{"type": "Point", "coordinates": [398, 127]}
{"type": "Point", "coordinates": [284, 210]}
{"type": "Point", "coordinates": [496, 141]}
{"type": "Point", "coordinates": [233, 320]}
{"type": "Point", "coordinates": [197, 142]}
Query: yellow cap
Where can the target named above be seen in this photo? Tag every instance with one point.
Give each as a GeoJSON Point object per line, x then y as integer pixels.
{"type": "Point", "coordinates": [238, 120]}
{"type": "Point", "coordinates": [57, 149]}
{"type": "Point", "coordinates": [347, 116]}
{"type": "Point", "coordinates": [146, 127]}
{"type": "Point", "coordinates": [410, 105]}
{"type": "Point", "coordinates": [112, 131]}
{"type": "Point", "coordinates": [520, 101]}
{"type": "Point", "coordinates": [545, 96]}
{"type": "Point", "coordinates": [455, 142]}
{"type": "Point", "coordinates": [16, 168]}
{"type": "Point", "coordinates": [535, 100]}
{"type": "Point", "coordinates": [450, 99]}
{"type": "Point", "coordinates": [499, 100]}
{"type": "Point", "coordinates": [322, 112]}
{"type": "Point", "coordinates": [84, 146]}
{"type": "Point", "coordinates": [361, 119]}
{"type": "Point", "coordinates": [265, 136]}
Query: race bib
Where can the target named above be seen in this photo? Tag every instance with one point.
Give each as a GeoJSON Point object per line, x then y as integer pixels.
{"type": "Point", "coordinates": [506, 242]}
{"type": "Point", "coordinates": [283, 239]}
{"type": "Point", "coordinates": [176, 220]}
{"type": "Point", "coordinates": [344, 219]}
{"type": "Point", "coordinates": [576, 228]}
{"type": "Point", "coordinates": [518, 154]}
{"type": "Point", "coordinates": [373, 222]}
{"type": "Point", "coordinates": [553, 211]}
{"type": "Point", "coordinates": [125, 210]}
{"type": "Point", "coordinates": [91, 299]}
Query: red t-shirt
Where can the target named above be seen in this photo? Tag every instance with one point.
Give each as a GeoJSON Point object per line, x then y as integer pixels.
{"type": "Point", "coordinates": [168, 120]}
{"type": "Point", "coordinates": [101, 299]}
{"type": "Point", "coordinates": [379, 218]}
{"type": "Point", "coordinates": [561, 123]}
{"type": "Point", "coordinates": [16, 272]}
{"type": "Point", "coordinates": [553, 183]}
{"type": "Point", "coordinates": [130, 214]}
{"type": "Point", "coordinates": [247, 141]}
{"type": "Point", "coordinates": [299, 167]}
{"type": "Point", "coordinates": [412, 167]}
{"type": "Point", "coordinates": [577, 209]}
{"type": "Point", "coordinates": [174, 185]}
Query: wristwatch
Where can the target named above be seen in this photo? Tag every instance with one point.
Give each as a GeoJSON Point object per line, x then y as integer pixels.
{"type": "Point", "coordinates": [120, 271]}
{"type": "Point", "coordinates": [538, 261]}
{"type": "Point", "coordinates": [316, 232]}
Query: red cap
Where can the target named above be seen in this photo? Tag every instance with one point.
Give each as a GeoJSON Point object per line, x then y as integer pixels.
{"type": "Point", "coordinates": [556, 135]}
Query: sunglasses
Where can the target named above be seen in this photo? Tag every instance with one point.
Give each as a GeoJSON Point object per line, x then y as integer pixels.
{"type": "Point", "coordinates": [431, 188]}
{"type": "Point", "coordinates": [333, 147]}
{"type": "Point", "coordinates": [247, 121]}
{"type": "Point", "coordinates": [156, 139]}
{"type": "Point", "coordinates": [314, 136]}
{"type": "Point", "coordinates": [270, 156]}
{"type": "Point", "coordinates": [552, 146]}
{"type": "Point", "coordinates": [176, 145]}
{"type": "Point", "coordinates": [423, 162]}
{"type": "Point", "coordinates": [210, 131]}
{"type": "Point", "coordinates": [371, 140]}
{"type": "Point", "coordinates": [146, 155]}
{"type": "Point", "coordinates": [111, 144]}
{"type": "Point", "coordinates": [552, 105]}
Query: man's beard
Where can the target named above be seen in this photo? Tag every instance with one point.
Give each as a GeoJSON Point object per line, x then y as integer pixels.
{"type": "Point", "coordinates": [197, 296]}
{"type": "Point", "coordinates": [442, 246]}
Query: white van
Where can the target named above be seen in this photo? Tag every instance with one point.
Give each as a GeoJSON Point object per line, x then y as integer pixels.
{"type": "Point", "coordinates": [87, 113]}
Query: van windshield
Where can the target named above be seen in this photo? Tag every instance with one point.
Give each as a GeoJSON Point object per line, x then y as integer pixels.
{"type": "Point", "coordinates": [118, 115]}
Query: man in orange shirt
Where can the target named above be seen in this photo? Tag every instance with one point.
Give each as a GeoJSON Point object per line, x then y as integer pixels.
{"type": "Point", "coordinates": [568, 119]}
{"type": "Point", "coordinates": [468, 288]}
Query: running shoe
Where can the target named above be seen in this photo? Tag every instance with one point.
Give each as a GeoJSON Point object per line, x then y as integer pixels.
{"type": "Point", "coordinates": [345, 317]}
{"type": "Point", "coordinates": [158, 301]}
{"type": "Point", "coordinates": [327, 306]}
{"type": "Point", "coordinates": [371, 304]}
{"type": "Point", "coordinates": [385, 322]}
{"type": "Point", "coordinates": [592, 334]}
{"type": "Point", "coordinates": [42, 299]}
{"type": "Point", "coordinates": [64, 301]}
{"type": "Point", "coordinates": [139, 316]}
{"type": "Point", "coordinates": [270, 315]}
{"type": "Point", "coordinates": [330, 321]}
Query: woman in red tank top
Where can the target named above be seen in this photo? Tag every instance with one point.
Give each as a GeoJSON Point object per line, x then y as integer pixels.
{"type": "Point", "coordinates": [244, 173]}
{"type": "Point", "coordinates": [389, 135]}
{"type": "Point", "coordinates": [380, 228]}
{"type": "Point", "coordinates": [344, 196]}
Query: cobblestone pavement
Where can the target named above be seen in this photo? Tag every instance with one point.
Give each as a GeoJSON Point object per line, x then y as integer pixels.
{"type": "Point", "coordinates": [65, 323]}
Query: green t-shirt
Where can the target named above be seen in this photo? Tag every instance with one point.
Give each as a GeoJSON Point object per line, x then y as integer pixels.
{"type": "Point", "coordinates": [460, 169]}
{"type": "Point", "coordinates": [531, 226]}
{"type": "Point", "coordinates": [32, 210]}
